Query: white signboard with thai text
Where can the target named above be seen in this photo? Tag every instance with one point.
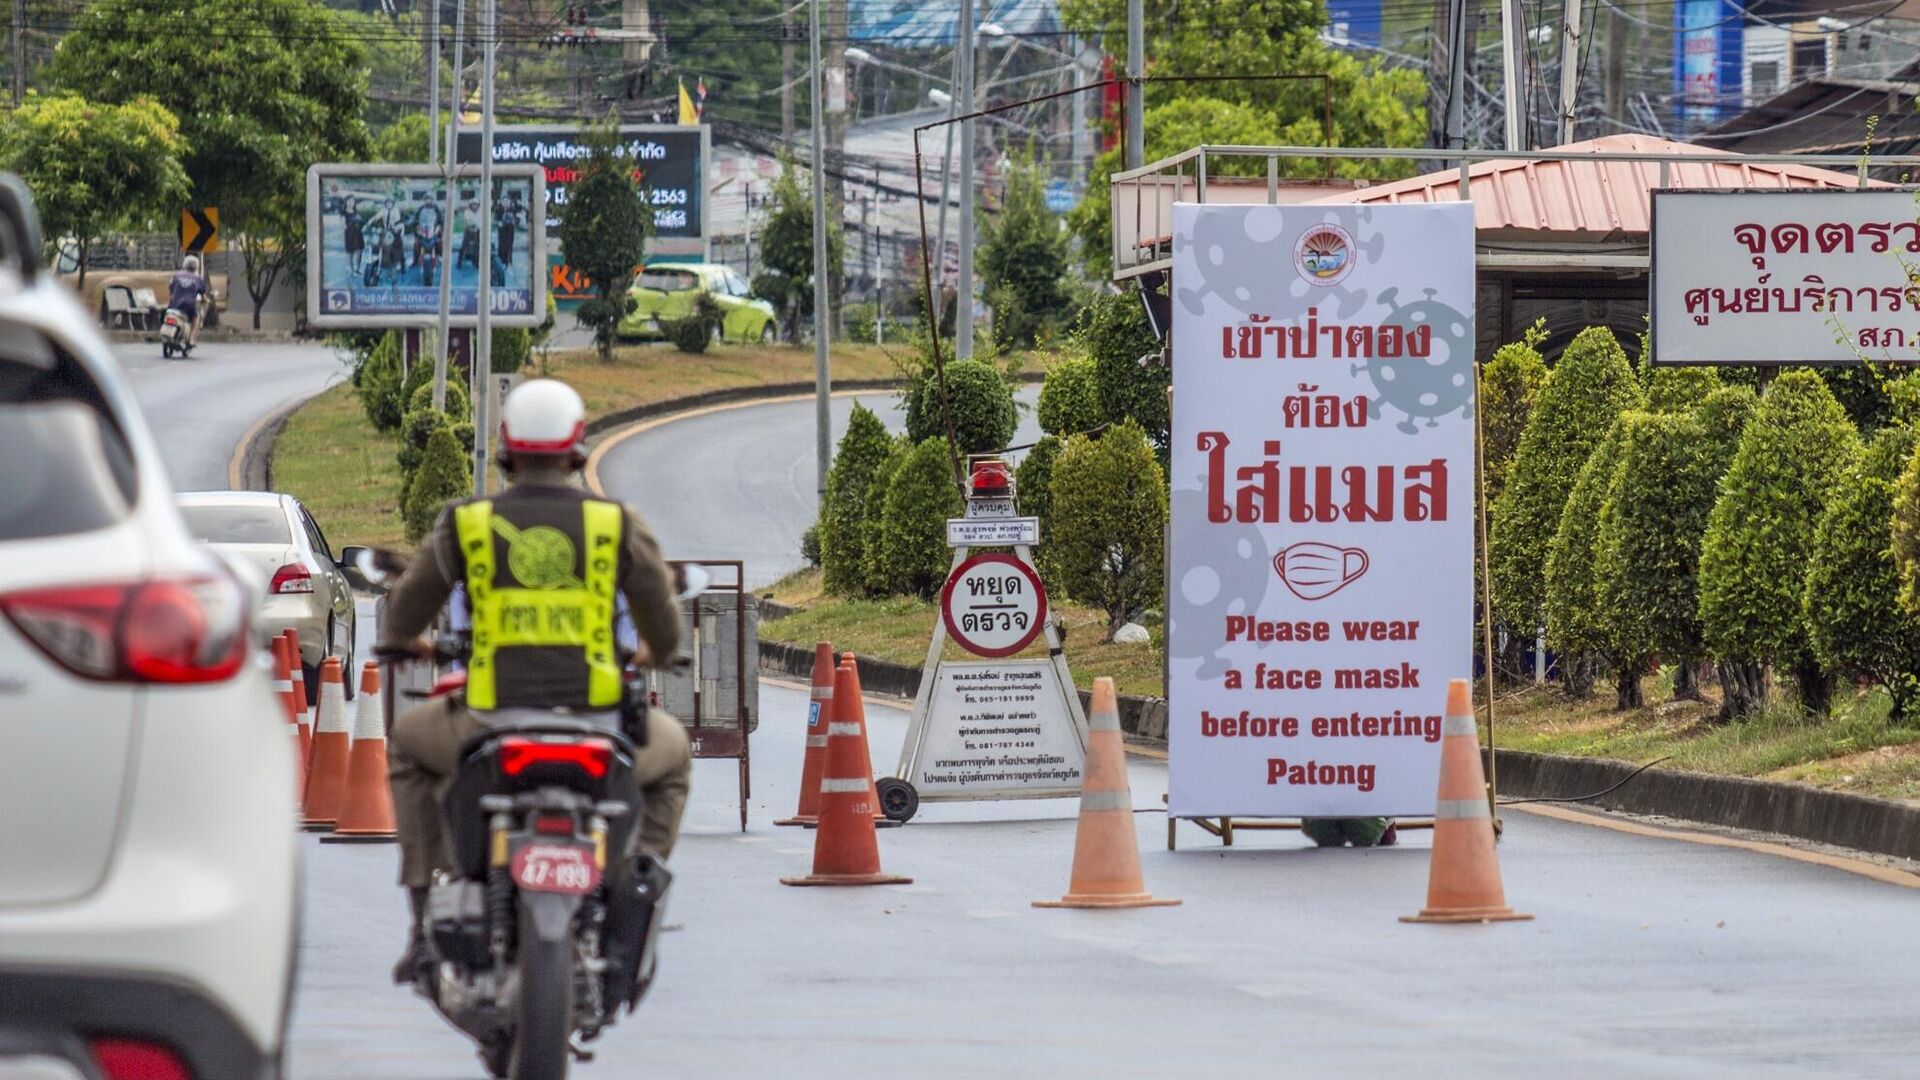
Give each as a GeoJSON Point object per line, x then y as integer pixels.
{"type": "Point", "coordinates": [1321, 583]}
{"type": "Point", "coordinates": [1786, 277]}
{"type": "Point", "coordinates": [998, 729]}
{"type": "Point", "coordinates": [992, 532]}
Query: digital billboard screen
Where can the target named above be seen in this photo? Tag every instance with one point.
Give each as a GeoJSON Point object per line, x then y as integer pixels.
{"type": "Point", "coordinates": [374, 246]}
{"type": "Point", "coordinates": [669, 161]}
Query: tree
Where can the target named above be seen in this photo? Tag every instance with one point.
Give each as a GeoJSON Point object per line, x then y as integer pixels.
{"type": "Point", "coordinates": [1109, 507]}
{"type": "Point", "coordinates": [1070, 399]}
{"type": "Point", "coordinates": [604, 228]}
{"type": "Point", "coordinates": [862, 451]}
{"type": "Point", "coordinates": [873, 544]}
{"type": "Point", "coordinates": [94, 168]}
{"type": "Point", "coordinates": [920, 499]}
{"type": "Point", "coordinates": [1576, 626]}
{"type": "Point", "coordinates": [1114, 333]}
{"type": "Point", "coordinates": [377, 381]}
{"type": "Point", "coordinates": [444, 475]}
{"type": "Point", "coordinates": [786, 250]}
{"type": "Point", "coordinates": [1753, 561]}
{"type": "Point", "coordinates": [1591, 385]}
{"type": "Point", "coordinates": [255, 107]}
{"type": "Point", "coordinates": [980, 399]}
{"type": "Point", "coordinates": [1854, 619]}
{"type": "Point", "coordinates": [1023, 256]}
{"type": "Point", "coordinates": [404, 141]}
{"type": "Point", "coordinates": [1509, 384]}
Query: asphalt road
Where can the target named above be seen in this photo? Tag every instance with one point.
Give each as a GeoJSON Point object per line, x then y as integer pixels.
{"type": "Point", "coordinates": [740, 483]}
{"type": "Point", "coordinates": [200, 408]}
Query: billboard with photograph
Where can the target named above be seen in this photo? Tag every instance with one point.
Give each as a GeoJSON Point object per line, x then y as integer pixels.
{"type": "Point", "coordinates": [374, 245]}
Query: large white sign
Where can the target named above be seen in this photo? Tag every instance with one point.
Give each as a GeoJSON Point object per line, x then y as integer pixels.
{"type": "Point", "coordinates": [1785, 277]}
{"type": "Point", "coordinates": [996, 730]}
{"type": "Point", "coordinates": [1321, 588]}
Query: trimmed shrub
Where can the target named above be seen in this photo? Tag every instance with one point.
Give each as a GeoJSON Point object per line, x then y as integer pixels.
{"type": "Point", "coordinates": [920, 499]}
{"type": "Point", "coordinates": [1677, 389]}
{"type": "Point", "coordinates": [1854, 619]}
{"type": "Point", "coordinates": [810, 545]}
{"type": "Point", "coordinates": [843, 512]}
{"type": "Point", "coordinates": [1591, 386]}
{"type": "Point", "coordinates": [873, 541]}
{"type": "Point", "coordinates": [690, 335]}
{"type": "Point", "coordinates": [377, 381]}
{"type": "Point", "coordinates": [1033, 484]}
{"type": "Point", "coordinates": [1070, 399]}
{"type": "Point", "coordinates": [1509, 385]}
{"type": "Point", "coordinates": [1753, 561]}
{"type": "Point", "coordinates": [1575, 623]}
{"type": "Point", "coordinates": [444, 475]}
{"type": "Point", "coordinates": [1109, 508]}
{"type": "Point", "coordinates": [421, 420]}
{"type": "Point", "coordinates": [511, 347]}
{"type": "Point", "coordinates": [984, 416]}
{"type": "Point", "coordinates": [1113, 331]}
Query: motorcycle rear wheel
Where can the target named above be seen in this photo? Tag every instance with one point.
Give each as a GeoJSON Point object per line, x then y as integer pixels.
{"type": "Point", "coordinates": [545, 1007]}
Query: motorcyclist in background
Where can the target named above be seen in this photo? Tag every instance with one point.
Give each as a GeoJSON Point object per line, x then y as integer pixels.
{"type": "Point", "coordinates": [543, 564]}
{"type": "Point", "coordinates": [184, 294]}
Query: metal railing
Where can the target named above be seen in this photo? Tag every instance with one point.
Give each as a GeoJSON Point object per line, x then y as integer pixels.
{"type": "Point", "coordinates": [1142, 199]}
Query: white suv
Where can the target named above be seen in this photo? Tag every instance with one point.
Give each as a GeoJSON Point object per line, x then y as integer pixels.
{"type": "Point", "coordinates": [147, 852]}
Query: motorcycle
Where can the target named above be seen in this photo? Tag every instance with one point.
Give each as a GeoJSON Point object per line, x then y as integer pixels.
{"type": "Point", "coordinates": [428, 245]}
{"type": "Point", "coordinates": [547, 926]}
{"type": "Point", "coordinates": [174, 327]}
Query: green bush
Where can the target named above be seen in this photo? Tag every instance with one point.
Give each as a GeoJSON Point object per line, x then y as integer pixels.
{"type": "Point", "coordinates": [1753, 562]}
{"type": "Point", "coordinates": [1109, 508]}
{"type": "Point", "coordinates": [511, 347]}
{"type": "Point", "coordinates": [1854, 619]}
{"type": "Point", "coordinates": [377, 380]}
{"type": "Point", "coordinates": [844, 524]}
{"type": "Point", "coordinates": [984, 416]}
{"type": "Point", "coordinates": [1677, 389]}
{"type": "Point", "coordinates": [920, 499]}
{"type": "Point", "coordinates": [421, 419]}
{"type": "Point", "coordinates": [810, 545]}
{"type": "Point", "coordinates": [690, 335]}
{"type": "Point", "coordinates": [1575, 623]}
{"type": "Point", "coordinates": [1033, 485]}
{"type": "Point", "coordinates": [1070, 399]}
{"type": "Point", "coordinates": [444, 475]}
{"type": "Point", "coordinates": [1509, 385]}
{"type": "Point", "coordinates": [873, 541]}
{"type": "Point", "coordinates": [1591, 385]}
{"type": "Point", "coordinates": [1723, 417]}
{"type": "Point", "coordinates": [1113, 331]}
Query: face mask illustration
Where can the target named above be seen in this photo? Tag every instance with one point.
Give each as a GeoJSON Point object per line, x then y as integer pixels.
{"type": "Point", "coordinates": [1312, 570]}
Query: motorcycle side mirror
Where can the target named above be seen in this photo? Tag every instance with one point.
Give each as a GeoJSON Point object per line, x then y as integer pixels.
{"type": "Point", "coordinates": [690, 580]}
{"type": "Point", "coordinates": [379, 566]}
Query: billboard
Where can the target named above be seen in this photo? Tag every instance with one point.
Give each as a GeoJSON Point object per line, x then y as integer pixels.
{"type": "Point", "coordinates": [1320, 590]}
{"type": "Point", "coordinates": [1707, 69]}
{"type": "Point", "coordinates": [373, 251]}
{"type": "Point", "coordinates": [669, 160]}
{"type": "Point", "coordinates": [1785, 277]}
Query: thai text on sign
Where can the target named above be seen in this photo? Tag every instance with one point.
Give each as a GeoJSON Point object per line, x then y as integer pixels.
{"type": "Point", "coordinates": [1321, 584]}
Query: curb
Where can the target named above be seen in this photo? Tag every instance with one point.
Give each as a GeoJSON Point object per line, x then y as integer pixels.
{"type": "Point", "coordinates": [251, 467]}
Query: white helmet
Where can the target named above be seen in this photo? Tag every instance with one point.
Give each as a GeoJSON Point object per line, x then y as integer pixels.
{"type": "Point", "coordinates": [542, 416]}
{"type": "Point", "coordinates": [191, 264]}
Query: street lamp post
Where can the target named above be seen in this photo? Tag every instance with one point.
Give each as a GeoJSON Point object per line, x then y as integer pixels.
{"type": "Point", "coordinates": [483, 334]}
{"type": "Point", "coordinates": [822, 373]}
{"type": "Point", "coordinates": [963, 298]}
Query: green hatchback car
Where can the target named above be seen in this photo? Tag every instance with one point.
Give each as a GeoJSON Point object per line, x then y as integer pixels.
{"type": "Point", "coordinates": [667, 292]}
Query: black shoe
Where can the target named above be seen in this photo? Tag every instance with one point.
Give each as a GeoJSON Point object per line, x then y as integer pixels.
{"type": "Point", "coordinates": [413, 964]}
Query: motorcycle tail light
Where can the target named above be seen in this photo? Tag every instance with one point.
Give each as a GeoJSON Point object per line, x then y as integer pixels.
{"type": "Point", "coordinates": [190, 630]}
{"type": "Point", "coordinates": [591, 756]}
{"type": "Point", "coordinates": [553, 824]}
{"type": "Point", "coordinates": [137, 1059]}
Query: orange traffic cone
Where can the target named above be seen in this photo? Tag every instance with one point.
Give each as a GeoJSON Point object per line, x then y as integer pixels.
{"type": "Point", "coordinates": [1463, 882]}
{"type": "Point", "coordinates": [818, 711]}
{"type": "Point", "coordinates": [366, 811]}
{"type": "Point", "coordinates": [1106, 852]}
{"type": "Point", "coordinates": [303, 700]}
{"type": "Point", "coordinates": [283, 688]}
{"type": "Point", "coordinates": [845, 849]}
{"type": "Point", "coordinates": [327, 776]}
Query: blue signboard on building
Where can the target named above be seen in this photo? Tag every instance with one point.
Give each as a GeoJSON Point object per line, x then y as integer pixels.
{"type": "Point", "coordinates": [1707, 39]}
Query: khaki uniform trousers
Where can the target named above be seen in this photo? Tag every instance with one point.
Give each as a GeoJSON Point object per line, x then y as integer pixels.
{"type": "Point", "coordinates": [424, 750]}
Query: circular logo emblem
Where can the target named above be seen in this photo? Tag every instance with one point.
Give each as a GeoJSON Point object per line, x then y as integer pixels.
{"type": "Point", "coordinates": [1323, 255]}
{"type": "Point", "coordinates": [542, 558]}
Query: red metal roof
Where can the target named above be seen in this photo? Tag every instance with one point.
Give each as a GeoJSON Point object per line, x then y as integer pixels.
{"type": "Point", "coordinates": [1589, 200]}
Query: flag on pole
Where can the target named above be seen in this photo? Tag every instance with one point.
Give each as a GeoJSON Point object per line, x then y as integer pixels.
{"type": "Point", "coordinates": [688, 114]}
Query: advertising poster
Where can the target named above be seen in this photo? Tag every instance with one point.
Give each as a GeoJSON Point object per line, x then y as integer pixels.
{"type": "Point", "coordinates": [375, 256]}
{"type": "Point", "coordinates": [1321, 581]}
{"type": "Point", "coordinates": [1785, 277]}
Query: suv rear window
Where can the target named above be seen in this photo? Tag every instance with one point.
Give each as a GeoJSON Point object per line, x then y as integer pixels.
{"type": "Point", "coordinates": [68, 466]}
{"type": "Point", "coordinates": [669, 280]}
{"type": "Point", "coordinates": [237, 524]}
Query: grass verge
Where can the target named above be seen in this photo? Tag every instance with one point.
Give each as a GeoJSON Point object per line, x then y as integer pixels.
{"type": "Point", "coordinates": [331, 460]}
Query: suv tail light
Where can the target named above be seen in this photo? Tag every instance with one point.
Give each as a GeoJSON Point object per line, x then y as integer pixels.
{"type": "Point", "coordinates": [291, 578]}
{"type": "Point", "coordinates": [137, 1059]}
{"type": "Point", "coordinates": [591, 756]}
{"type": "Point", "coordinates": [189, 630]}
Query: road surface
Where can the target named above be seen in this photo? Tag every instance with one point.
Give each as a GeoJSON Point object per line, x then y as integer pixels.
{"type": "Point", "coordinates": [740, 483]}
{"type": "Point", "coordinates": [201, 407]}
{"type": "Point", "coordinates": [1648, 957]}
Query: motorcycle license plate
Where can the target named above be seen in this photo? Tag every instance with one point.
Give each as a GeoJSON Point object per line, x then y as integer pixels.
{"type": "Point", "coordinates": [555, 868]}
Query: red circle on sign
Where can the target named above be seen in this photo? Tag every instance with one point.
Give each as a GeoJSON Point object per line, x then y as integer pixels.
{"type": "Point", "coordinates": [953, 628]}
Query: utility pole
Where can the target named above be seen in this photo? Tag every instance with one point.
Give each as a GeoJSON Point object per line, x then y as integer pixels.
{"type": "Point", "coordinates": [822, 375]}
{"type": "Point", "coordinates": [946, 179]}
{"type": "Point", "coordinates": [1457, 75]}
{"type": "Point", "coordinates": [483, 334]}
{"type": "Point", "coordinates": [834, 53]}
{"type": "Point", "coordinates": [1136, 151]}
{"type": "Point", "coordinates": [963, 96]}
{"type": "Point", "coordinates": [1616, 99]}
{"type": "Point", "coordinates": [787, 33]}
{"type": "Point", "coordinates": [443, 343]}
{"type": "Point", "coordinates": [1079, 103]}
{"type": "Point", "coordinates": [636, 53]}
{"type": "Point", "coordinates": [1569, 69]}
{"type": "Point", "coordinates": [430, 48]}
{"type": "Point", "coordinates": [1510, 22]}
{"type": "Point", "coordinates": [19, 51]}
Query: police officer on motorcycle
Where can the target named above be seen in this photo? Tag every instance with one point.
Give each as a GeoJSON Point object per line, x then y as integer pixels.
{"type": "Point", "coordinates": [542, 564]}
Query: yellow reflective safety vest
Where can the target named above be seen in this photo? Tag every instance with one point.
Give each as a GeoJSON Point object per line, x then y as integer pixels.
{"type": "Point", "coordinates": [542, 567]}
